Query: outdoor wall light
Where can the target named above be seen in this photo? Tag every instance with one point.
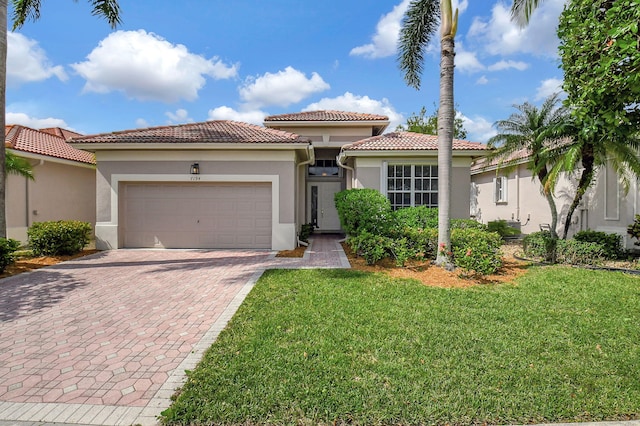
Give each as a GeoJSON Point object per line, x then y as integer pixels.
{"type": "Point", "coordinates": [195, 169]}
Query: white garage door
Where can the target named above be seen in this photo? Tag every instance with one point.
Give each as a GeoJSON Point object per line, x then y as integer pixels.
{"type": "Point", "coordinates": [202, 215]}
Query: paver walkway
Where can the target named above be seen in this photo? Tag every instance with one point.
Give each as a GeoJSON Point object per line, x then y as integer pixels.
{"type": "Point", "coordinates": [105, 339]}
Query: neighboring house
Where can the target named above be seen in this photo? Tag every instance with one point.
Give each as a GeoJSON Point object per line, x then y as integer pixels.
{"type": "Point", "coordinates": [513, 194]}
{"type": "Point", "coordinates": [64, 185]}
{"type": "Point", "coordinates": [224, 184]}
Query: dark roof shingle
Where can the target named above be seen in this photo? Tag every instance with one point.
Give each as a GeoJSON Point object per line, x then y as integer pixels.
{"type": "Point", "coordinates": [21, 138]}
{"type": "Point", "coordinates": [327, 115]}
{"type": "Point", "coordinates": [208, 132]}
{"type": "Point", "coordinates": [409, 141]}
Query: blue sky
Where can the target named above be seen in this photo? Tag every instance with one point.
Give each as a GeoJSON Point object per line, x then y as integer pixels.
{"type": "Point", "coordinates": [176, 62]}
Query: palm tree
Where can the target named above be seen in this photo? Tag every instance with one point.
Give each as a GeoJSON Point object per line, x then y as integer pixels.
{"type": "Point", "coordinates": [532, 130]}
{"type": "Point", "coordinates": [18, 166]}
{"type": "Point", "coordinates": [521, 11]}
{"type": "Point", "coordinates": [22, 11]}
{"type": "Point", "coordinates": [419, 24]}
{"type": "Point", "coordinates": [592, 152]}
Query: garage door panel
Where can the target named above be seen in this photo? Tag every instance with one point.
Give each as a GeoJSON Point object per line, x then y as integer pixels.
{"type": "Point", "coordinates": [203, 215]}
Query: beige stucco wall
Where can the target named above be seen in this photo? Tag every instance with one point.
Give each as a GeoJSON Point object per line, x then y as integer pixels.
{"type": "Point", "coordinates": [605, 206]}
{"type": "Point", "coordinates": [369, 172]}
{"type": "Point", "coordinates": [328, 137]}
{"type": "Point", "coordinates": [60, 191]}
{"type": "Point", "coordinates": [118, 167]}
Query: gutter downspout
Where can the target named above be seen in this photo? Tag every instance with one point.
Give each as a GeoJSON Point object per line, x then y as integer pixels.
{"type": "Point", "coordinates": [27, 197]}
{"type": "Point", "coordinates": [339, 160]}
{"type": "Point", "coordinates": [312, 159]}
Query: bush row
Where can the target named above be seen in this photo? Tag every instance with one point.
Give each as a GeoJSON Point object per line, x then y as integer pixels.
{"type": "Point", "coordinates": [586, 248]}
{"type": "Point", "coordinates": [376, 231]}
{"type": "Point", "coordinates": [61, 237]}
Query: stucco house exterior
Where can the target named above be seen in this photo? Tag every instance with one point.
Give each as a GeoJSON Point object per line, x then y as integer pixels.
{"type": "Point", "coordinates": [225, 184]}
{"type": "Point", "coordinates": [64, 185]}
{"type": "Point", "coordinates": [513, 194]}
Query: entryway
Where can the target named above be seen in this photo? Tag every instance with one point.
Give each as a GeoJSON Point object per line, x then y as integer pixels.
{"type": "Point", "coordinates": [321, 205]}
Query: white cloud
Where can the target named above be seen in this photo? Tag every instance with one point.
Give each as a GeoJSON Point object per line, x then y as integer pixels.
{"type": "Point", "coordinates": [28, 62]}
{"type": "Point", "coordinates": [283, 88]}
{"type": "Point", "coordinates": [385, 41]}
{"type": "Point", "coordinates": [180, 116]}
{"type": "Point", "coordinates": [505, 65]}
{"type": "Point", "coordinates": [467, 61]}
{"type": "Point", "coordinates": [228, 113]}
{"type": "Point", "coordinates": [145, 66]}
{"type": "Point", "coordinates": [33, 122]}
{"type": "Point", "coordinates": [482, 80]}
{"type": "Point", "coordinates": [500, 36]}
{"type": "Point", "coordinates": [364, 104]}
{"type": "Point", "coordinates": [479, 129]}
{"type": "Point", "coordinates": [548, 87]}
{"type": "Point", "coordinates": [141, 123]}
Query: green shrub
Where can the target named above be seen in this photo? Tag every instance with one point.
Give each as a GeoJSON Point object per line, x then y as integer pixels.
{"type": "Point", "coordinates": [422, 243]}
{"type": "Point", "coordinates": [62, 237]}
{"type": "Point", "coordinates": [539, 245]}
{"type": "Point", "coordinates": [417, 217]}
{"type": "Point", "coordinates": [634, 230]}
{"type": "Point", "coordinates": [611, 243]}
{"type": "Point", "coordinates": [502, 228]}
{"type": "Point", "coordinates": [467, 224]}
{"type": "Point", "coordinates": [475, 251]}
{"type": "Point", "coordinates": [577, 252]}
{"type": "Point", "coordinates": [370, 246]}
{"type": "Point", "coordinates": [7, 248]}
{"type": "Point", "coordinates": [305, 232]}
{"type": "Point", "coordinates": [364, 210]}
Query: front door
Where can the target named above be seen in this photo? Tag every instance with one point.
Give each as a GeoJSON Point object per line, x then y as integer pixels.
{"type": "Point", "coordinates": [321, 206]}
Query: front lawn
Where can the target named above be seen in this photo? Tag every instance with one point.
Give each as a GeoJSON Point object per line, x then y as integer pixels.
{"type": "Point", "coordinates": [340, 346]}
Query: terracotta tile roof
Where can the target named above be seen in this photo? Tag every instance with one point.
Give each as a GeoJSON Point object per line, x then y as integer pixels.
{"type": "Point", "coordinates": [21, 138]}
{"type": "Point", "coordinates": [327, 116]}
{"type": "Point", "coordinates": [513, 158]}
{"type": "Point", "coordinates": [409, 141]}
{"type": "Point", "coordinates": [60, 132]}
{"type": "Point", "coordinates": [210, 132]}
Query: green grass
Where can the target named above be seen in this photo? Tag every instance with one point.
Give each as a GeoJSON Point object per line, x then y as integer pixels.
{"type": "Point", "coordinates": [333, 346]}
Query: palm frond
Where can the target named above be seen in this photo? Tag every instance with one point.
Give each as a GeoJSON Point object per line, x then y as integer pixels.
{"type": "Point", "coordinates": [521, 11]}
{"type": "Point", "coordinates": [108, 9]}
{"type": "Point", "coordinates": [18, 166]}
{"type": "Point", "coordinates": [418, 27]}
{"type": "Point", "coordinates": [24, 10]}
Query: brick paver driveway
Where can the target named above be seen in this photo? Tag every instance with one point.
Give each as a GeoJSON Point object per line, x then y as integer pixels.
{"type": "Point", "coordinates": [105, 339]}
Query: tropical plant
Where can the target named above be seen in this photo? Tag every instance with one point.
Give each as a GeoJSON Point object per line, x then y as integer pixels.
{"type": "Point", "coordinates": [521, 11]}
{"type": "Point", "coordinates": [22, 11]}
{"type": "Point", "coordinates": [601, 63]}
{"type": "Point", "coordinates": [532, 130]}
{"type": "Point", "coordinates": [18, 166]}
{"type": "Point", "coordinates": [419, 24]}
{"type": "Point", "coordinates": [421, 123]}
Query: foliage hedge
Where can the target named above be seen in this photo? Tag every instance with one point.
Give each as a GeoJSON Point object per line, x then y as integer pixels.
{"type": "Point", "coordinates": [611, 243]}
{"type": "Point", "coordinates": [364, 210]}
{"type": "Point", "coordinates": [7, 247]}
{"type": "Point", "coordinates": [376, 232]}
{"type": "Point", "coordinates": [502, 228]}
{"type": "Point", "coordinates": [573, 252]}
{"type": "Point", "coordinates": [61, 237]}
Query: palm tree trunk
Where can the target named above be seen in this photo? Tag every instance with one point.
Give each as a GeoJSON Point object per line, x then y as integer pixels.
{"type": "Point", "coordinates": [583, 184]}
{"type": "Point", "coordinates": [3, 86]}
{"type": "Point", "coordinates": [445, 146]}
{"type": "Point", "coordinates": [542, 176]}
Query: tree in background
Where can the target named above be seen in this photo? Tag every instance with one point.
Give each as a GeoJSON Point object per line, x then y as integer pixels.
{"type": "Point", "coordinates": [15, 165]}
{"type": "Point", "coordinates": [532, 130]}
{"type": "Point", "coordinates": [600, 52]}
{"type": "Point", "coordinates": [421, 123]}
{"type": "Point", "coordinates": [22, 11]}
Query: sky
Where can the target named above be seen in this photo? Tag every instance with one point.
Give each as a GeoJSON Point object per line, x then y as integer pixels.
{"type": "Point", "coordinates": [177, 62]}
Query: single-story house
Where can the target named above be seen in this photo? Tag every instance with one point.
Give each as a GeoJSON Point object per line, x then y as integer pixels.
{"type": "Point", "coordinates": [514, 194]}
{"type": "Point", "coordinates": [225, 184]}
{"type": "Point", "coordinates": [64, 185]}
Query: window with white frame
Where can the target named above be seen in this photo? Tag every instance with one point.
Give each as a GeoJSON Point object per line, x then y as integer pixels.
{"type": "Point", "coordinates": [500, 189]}
{"type": "Point", "coordinates": [411, 185]}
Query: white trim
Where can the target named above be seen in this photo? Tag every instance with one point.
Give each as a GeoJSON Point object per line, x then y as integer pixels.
{"type": "Point", "coordinates": [282, 234]}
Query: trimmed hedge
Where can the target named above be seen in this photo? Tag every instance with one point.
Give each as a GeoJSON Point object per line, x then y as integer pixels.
{"type": "Point", "coordinates": [475, 251]}
{"type": "Point", "coordinates": [61, 237]}
{"type": "Point", "coordinates": [611, 243]}
{"type": "Point", "coordinates": [417, 217]}
{"type": "Point", "coordinates": [364, 210]}
{"type": "Point", "coordinates": [7, 247]}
